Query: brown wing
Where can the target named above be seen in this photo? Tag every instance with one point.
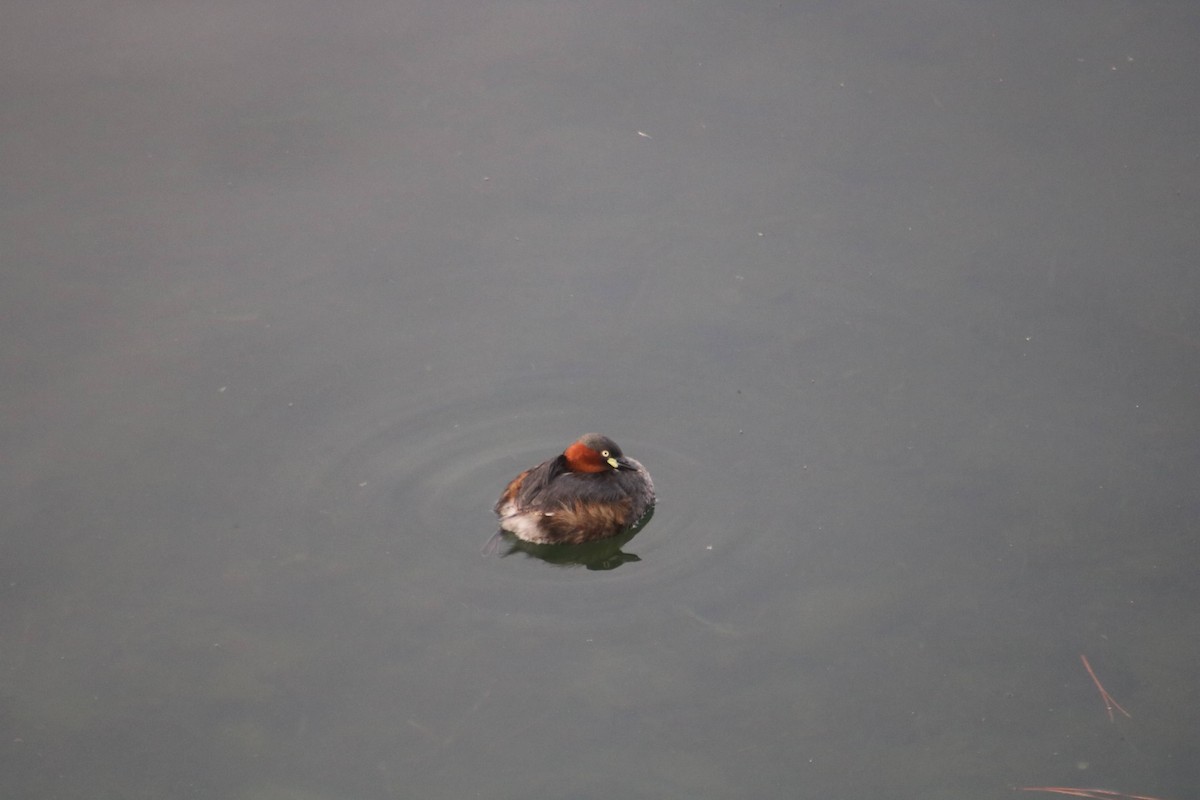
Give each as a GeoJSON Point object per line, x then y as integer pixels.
{"type": "Point", "coordinates": [526, 489]}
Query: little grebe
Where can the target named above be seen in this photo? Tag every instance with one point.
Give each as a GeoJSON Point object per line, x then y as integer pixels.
{"type": "Point", "coordinates": [591, 491]}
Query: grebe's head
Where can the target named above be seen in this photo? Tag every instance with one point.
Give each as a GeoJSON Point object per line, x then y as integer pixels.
{"type": "Point", "coordinates": [595, 453]}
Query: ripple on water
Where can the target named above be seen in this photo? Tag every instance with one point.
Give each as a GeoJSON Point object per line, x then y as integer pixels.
{"type": "Point", "coordinates": [412, 482]}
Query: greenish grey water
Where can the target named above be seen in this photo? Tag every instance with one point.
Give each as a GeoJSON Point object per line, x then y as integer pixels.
{"type": "Point", "coordinates": [897, 305]}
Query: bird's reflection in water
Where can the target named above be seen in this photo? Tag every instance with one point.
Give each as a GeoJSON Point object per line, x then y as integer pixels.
{"type": "Point", "coordinates": [603, 554]}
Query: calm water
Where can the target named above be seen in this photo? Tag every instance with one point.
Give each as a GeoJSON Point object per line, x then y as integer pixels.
{"type": "Point", "coordinates": [898, 306]}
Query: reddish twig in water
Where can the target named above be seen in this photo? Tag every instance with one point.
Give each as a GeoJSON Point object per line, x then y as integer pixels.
{"type": "Point", "coordinates": [1094, 794]}
{"type": "Point", "coordinates": [1109, 702]}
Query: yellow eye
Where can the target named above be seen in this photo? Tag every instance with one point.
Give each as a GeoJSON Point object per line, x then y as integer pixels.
{"type": "Point", "coordinates": [604, 453]}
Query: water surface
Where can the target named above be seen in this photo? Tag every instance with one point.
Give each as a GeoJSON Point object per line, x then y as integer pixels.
{"type": "Point", "coordinates": [898, 306]}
